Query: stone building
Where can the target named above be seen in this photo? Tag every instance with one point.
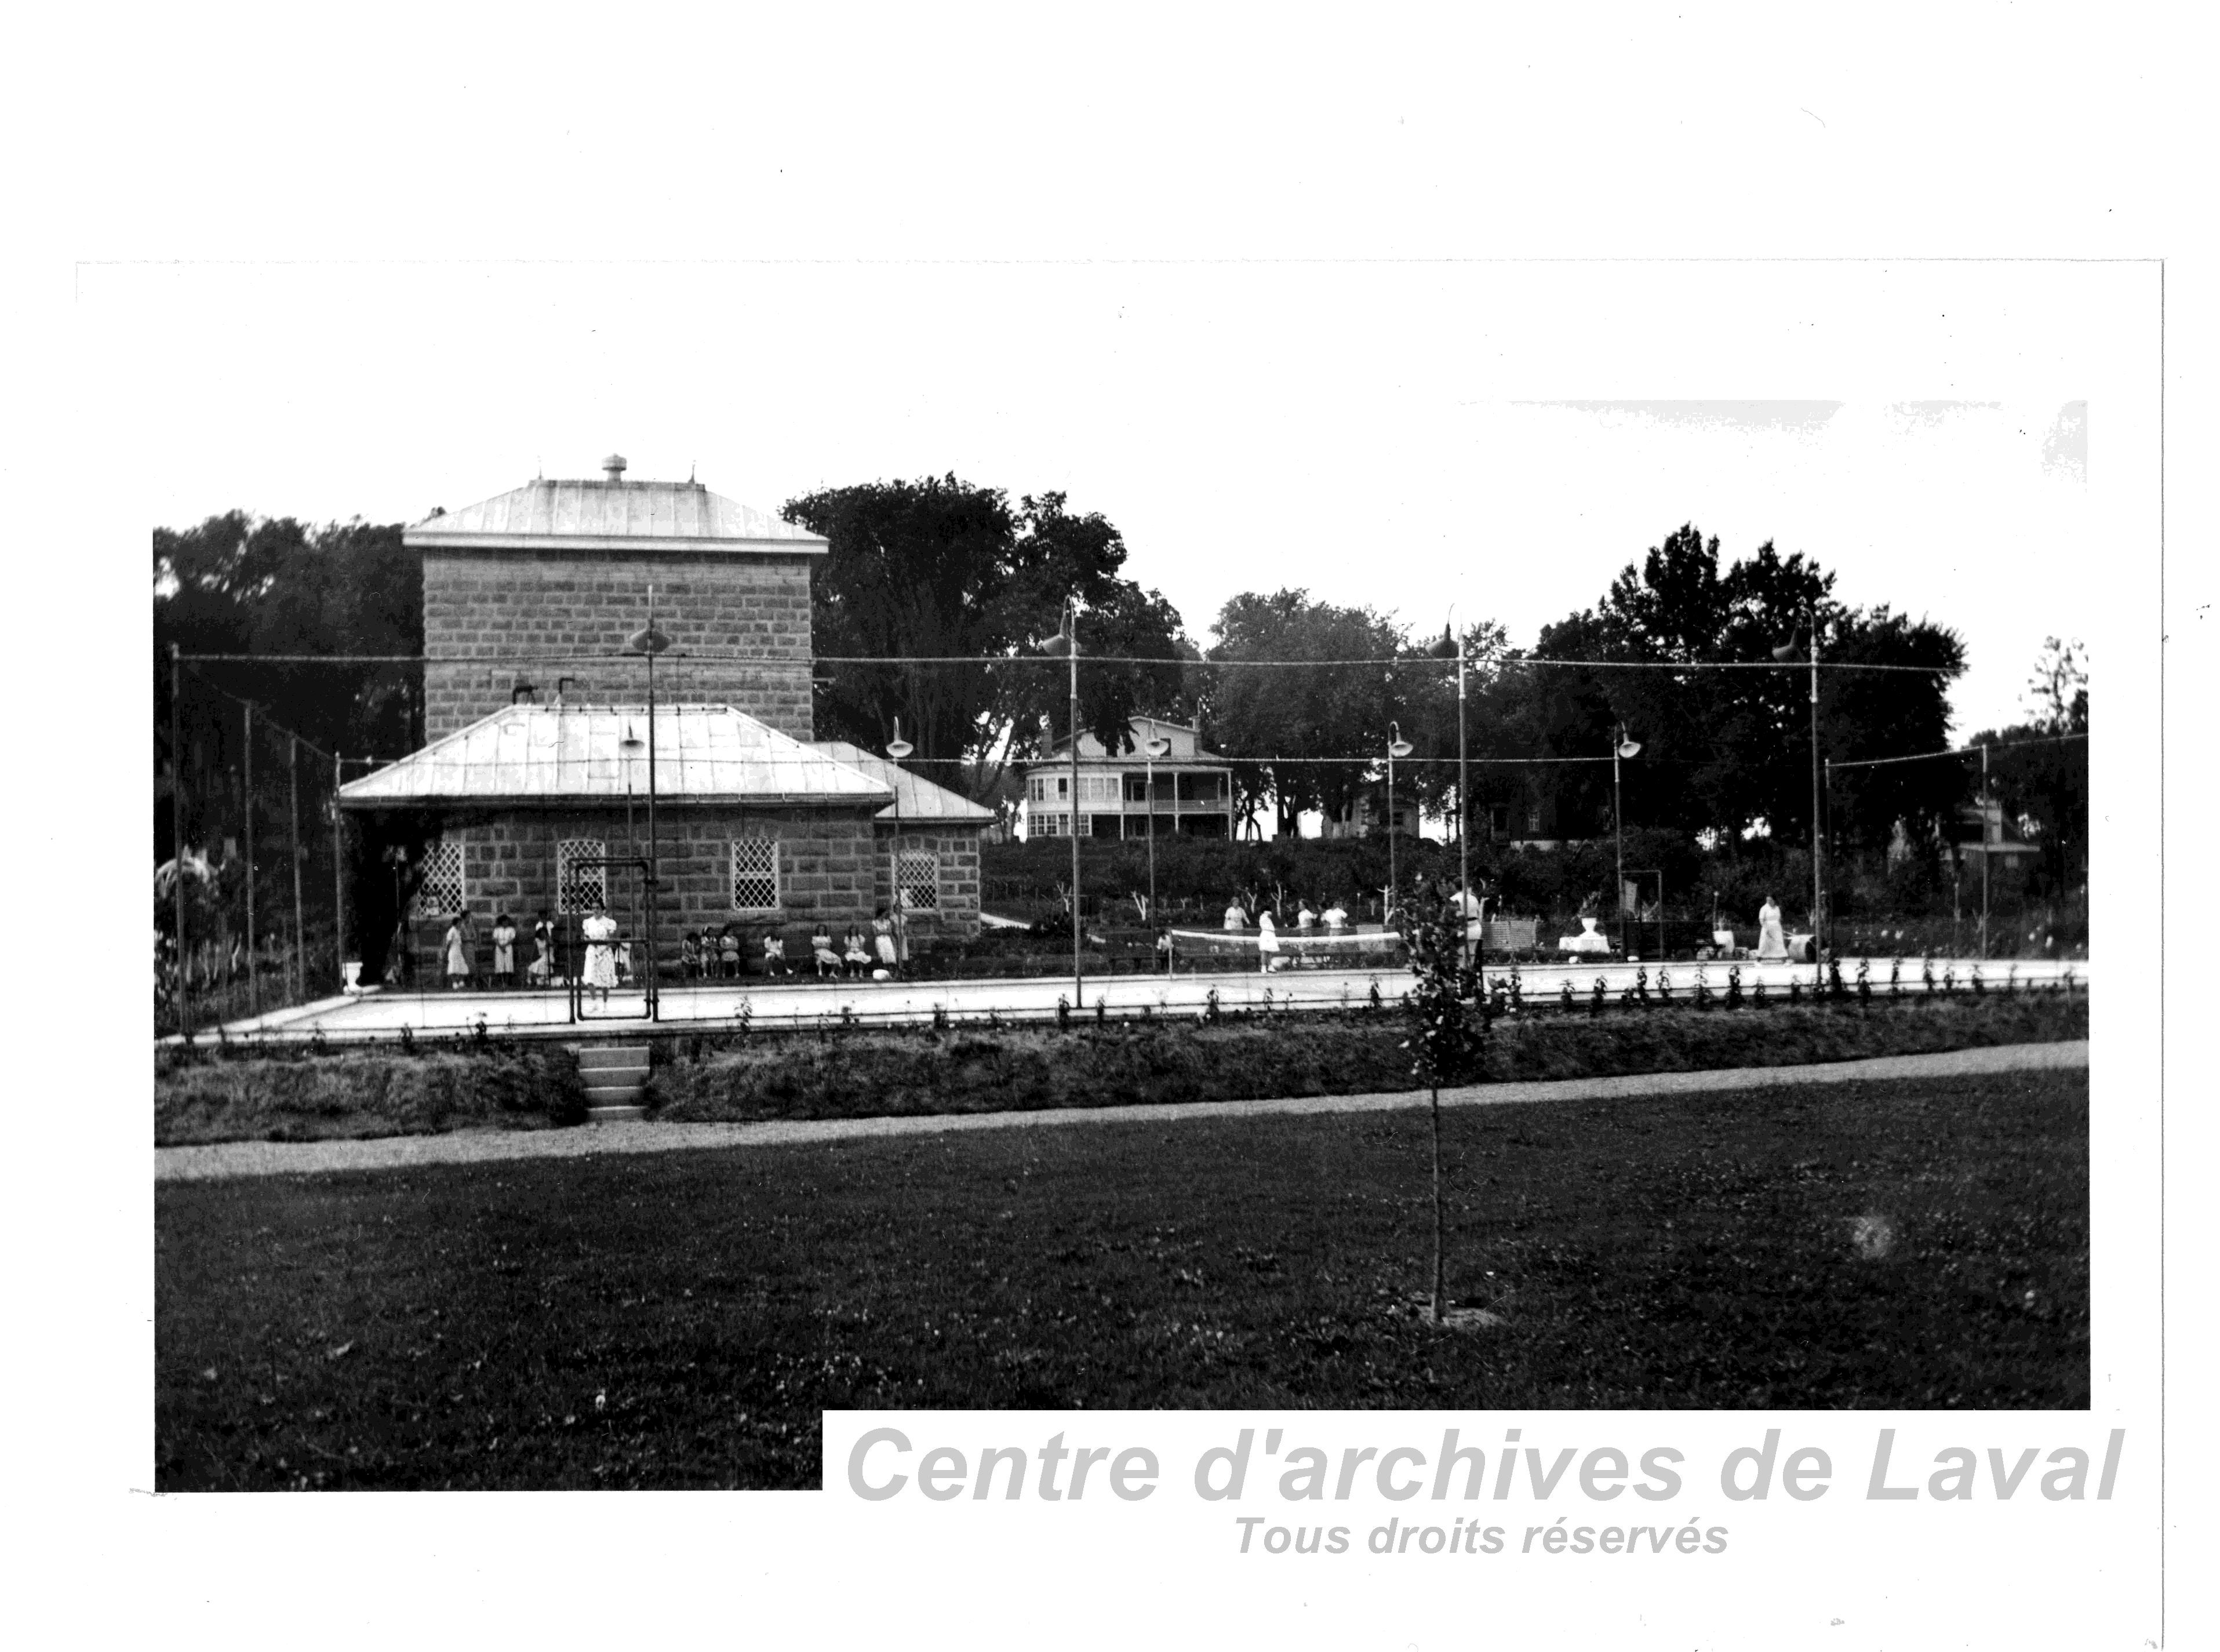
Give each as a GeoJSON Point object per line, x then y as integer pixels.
{"type": "Point", "coordinates": [546, 581]}
{"type": "Point", "coordinates": [537, 767]}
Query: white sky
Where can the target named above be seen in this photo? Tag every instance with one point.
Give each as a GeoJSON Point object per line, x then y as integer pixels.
{"type": "Point", "coordinates": [1395, 433]}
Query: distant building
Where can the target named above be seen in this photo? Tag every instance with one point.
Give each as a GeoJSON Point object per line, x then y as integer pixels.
{"type": "Point", "coordinates": [1194, 793]}
{"type": "Point", "coordinates": [1366, 817]}
{"type": "Point", "coordinates": [538, 762]}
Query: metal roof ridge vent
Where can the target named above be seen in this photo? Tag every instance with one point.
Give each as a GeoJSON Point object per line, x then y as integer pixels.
{"type": "Point", "coordinates": [613, 467]}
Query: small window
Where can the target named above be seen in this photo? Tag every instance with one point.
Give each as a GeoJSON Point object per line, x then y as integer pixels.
{"type": "Point", "coordinates": [579, 887]}
{"type": "Point", "coordinates": [755, 875]}
{"type": "Point", "coordinates": [441, 890]}
{"type": "Point", "coordinates": [919, 874]}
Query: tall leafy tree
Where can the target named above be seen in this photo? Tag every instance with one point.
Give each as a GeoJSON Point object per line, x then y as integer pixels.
{"type": "Point", "coordinates": [1262, 712]}
{"type": "Point", "coordinates": [943, 569]}
{"type": "Point", "coordinates": [2040, 775]}
{"type": "Point", "coordinates": [1721, 746]}
{"type": "Point", "coordinates": [241, 584]}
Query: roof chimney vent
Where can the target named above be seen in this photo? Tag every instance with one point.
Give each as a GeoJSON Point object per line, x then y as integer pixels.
{"type": "Point", "coordinates": [614, 467]}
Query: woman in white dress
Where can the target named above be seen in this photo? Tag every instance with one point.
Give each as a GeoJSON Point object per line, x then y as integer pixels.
{"type": "Point", "coordinates": [1771, 942]}
{"type": "Point", "coordinates": [1268, 941]}
{"type": "Point", "coordinates": [600, 931]}
{"type": "Point", "coordinates": [458, 954]}
{"type": "Point", "coordinates": [883, 932]}
{"type": "Point", "coordinates": [504, 951]}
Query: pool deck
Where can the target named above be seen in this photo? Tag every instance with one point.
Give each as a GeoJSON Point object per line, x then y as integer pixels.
{"type": "Point", "coordinates": [383, 1014]}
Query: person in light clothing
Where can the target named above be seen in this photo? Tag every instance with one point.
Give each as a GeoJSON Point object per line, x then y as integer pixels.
{"type": "Point", "coordinates": [882, 930]}
{"type": "Point", "coordinates": [1235, 918]}
{"type": "Point", "coordinates": [600, 932]}
{"type": "Point", "coordinates": [1337, 919]}
{"type": "Point", "coordinates": [458, 952]}
{"type": "Point", "coordinates": [504, 950]}
{"type": "Point", "coordinates": [1268, 942]}
{"type": "Point", "coordinates": [1771, 942]}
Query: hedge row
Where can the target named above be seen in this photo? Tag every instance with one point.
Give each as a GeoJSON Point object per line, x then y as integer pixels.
{"type": "Point", "coordinates": [870, 1073]}
{"type": "Point", "coordinates": [363, 1093]}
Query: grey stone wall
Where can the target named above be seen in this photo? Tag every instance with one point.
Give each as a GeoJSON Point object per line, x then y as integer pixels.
{"type": "Point", "coordinates": [491, 618]}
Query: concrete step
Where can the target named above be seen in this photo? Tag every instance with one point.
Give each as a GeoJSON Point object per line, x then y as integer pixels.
{"type": "Point", "coordinates": [612, 1055]}
{"type": "Point", "coordinates": [615, 1076]}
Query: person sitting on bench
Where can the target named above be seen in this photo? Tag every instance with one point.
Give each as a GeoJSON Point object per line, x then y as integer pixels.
{"type": "Point", "coordinates": [821, 947]}
{"type": "Point", "coordinates": [775, 962]}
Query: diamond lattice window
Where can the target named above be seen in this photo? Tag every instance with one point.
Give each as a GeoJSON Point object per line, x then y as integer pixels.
{"type": "Point", "coordinates": [580, 888]}
{"type": "Point", "coordinates": [918, 872]}
{"type": "Point", "coordinates": [440, 891]}
{"type": "Point", "coordinates": [755, 875]}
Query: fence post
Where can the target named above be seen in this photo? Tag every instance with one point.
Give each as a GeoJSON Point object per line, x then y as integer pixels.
{"type": "Point", "coordinates": [246, 796]}
{"type": "Point", "coordinates": [299, 972]}
{"type": "Point", "coordinates": [178, 835]}
{"type": "Point", "coordinates": [338, 881]}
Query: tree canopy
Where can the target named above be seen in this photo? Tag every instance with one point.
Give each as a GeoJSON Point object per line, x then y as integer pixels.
{"type": "Point", "coordinates": [941, 568]}
{"type": "Point", "coordinates": [1720, 746]}
{"type": "Point", "coordinates": [241, 584]}
{"type": "Point", "coordinates": [2040, 777]}
{"type": "Point", "coordinates": [1331, 711]}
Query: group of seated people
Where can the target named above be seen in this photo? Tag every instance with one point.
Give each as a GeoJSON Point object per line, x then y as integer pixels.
{"type": "Point", "coordinates": [722, 954]}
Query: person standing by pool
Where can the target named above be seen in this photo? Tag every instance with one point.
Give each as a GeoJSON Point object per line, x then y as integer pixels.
{"type": "Point", "coordinates": [882, 930]}
{"type": "Point", "coordinates": [504, 950]}
{"type": "Point", "coordinates": [458, 946]}
{"type": "Point", "coordinates": [601, 931]}
{"type": "Point", "coordinates": [1268, 941]}
{"type": "Point", "coordinates": [1771, 942]}
{"type": "Point", "coordinates": [543, 952]}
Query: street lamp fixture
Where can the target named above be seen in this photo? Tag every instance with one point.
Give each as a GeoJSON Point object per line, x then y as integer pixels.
{"type": "Point", "coordinates": [1786, 654]}
{"type": "Point", "coordinates": [1066, 642]}
{"type": "Point", "coordinates": [1397, 747]}
{"type": "Point", "coordinates": [651, 641]}
{"type": "Point", "coordinates": [899, 748]}
{"type": "Point", "coordinates": [1154, 746]}
{"type": "Point", "coordinates": [1451, 646]}
{"type": "Point", "coordinates": [1622, 747]}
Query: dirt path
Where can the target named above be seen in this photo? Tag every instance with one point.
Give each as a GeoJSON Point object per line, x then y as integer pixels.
{"type": "Point", "coordinates": [399, 1153]}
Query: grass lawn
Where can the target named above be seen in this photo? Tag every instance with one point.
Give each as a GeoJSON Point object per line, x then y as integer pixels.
{"type": "Point", "coordinates": [680, 1320]}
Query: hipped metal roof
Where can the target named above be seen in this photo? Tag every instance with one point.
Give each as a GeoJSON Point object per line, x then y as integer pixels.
{"type": "Point", "coordinates": [915, 797]}
{"type": "Point", "coordinates": [554, 754]}
{"type": "Point", "coordinates": [612, 515]}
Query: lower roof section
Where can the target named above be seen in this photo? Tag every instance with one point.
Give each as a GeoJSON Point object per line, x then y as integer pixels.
{"type": "Point", "coordinates": [545, 755]}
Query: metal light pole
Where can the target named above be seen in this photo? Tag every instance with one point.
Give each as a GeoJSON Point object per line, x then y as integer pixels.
{"type": "Point", "coordinates": [1451, 643]}
{"type": "Point", "coordinates": [1784, 654]}
{"type": "Point", "coordinates": [1154, 747]}
{"type": "Point", "coordinates": [650, 642]}
{"type": "Point", "coordinates": [1397, 747]}
{"type": "Point", "coordinates": [1622, 747]}
{"type": "Point", "coordinates": [1985, 851]}
{"type": "Point", "coordinates": [897, 749]}
{"type": "Point", "coordinates": [1066, 642]}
